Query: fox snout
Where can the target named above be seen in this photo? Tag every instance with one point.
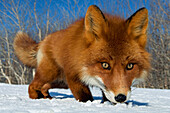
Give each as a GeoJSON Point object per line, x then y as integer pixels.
{"type": "Point", "coordinates": [116, 90]}
{"type": "Point", "coordinates": [119, 98]}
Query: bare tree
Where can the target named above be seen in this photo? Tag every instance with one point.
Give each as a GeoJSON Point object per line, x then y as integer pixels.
{"type": "Point", "coordinates": [158, 44]}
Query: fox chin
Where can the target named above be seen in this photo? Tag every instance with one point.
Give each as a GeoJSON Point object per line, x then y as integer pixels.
{"type": "Point", "coordinates": [99, 50]}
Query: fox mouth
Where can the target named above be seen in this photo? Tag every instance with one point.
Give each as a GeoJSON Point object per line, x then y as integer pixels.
{"type": "Point", "coordinates": [110, 95]}
{"type": "Point", "coordinates": [126, 103]}
{"type": "Point", "coordinates": [114, 99]}
{"type": "Point", "coordinates": [120, 98]}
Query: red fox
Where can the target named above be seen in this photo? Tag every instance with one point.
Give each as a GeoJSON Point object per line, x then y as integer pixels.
{"type": "Point", "coordinates": [99, 50]}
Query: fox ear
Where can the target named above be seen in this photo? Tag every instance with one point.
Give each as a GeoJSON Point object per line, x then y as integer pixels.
{"type": "Point", "coordinates": [94, 20]}
{"type": "Point", "coordinates": [137, 26]}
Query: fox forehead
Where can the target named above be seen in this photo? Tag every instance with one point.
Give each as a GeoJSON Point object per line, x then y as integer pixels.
{"type": "Point", "coordinates": [116, 28]}
{"type": "Point", "coordinates": [115, 50]}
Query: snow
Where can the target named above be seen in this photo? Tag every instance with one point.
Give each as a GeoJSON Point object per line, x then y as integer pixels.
{"type": "Point", "coordinates": [14, 99]}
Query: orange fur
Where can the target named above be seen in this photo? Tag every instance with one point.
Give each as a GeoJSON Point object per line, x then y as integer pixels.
{"type": "Point", "coordinates": [72, 58]}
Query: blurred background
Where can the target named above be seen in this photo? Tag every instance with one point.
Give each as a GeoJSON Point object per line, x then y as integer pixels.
{"type": "Point", "coordinates": [39, 18]}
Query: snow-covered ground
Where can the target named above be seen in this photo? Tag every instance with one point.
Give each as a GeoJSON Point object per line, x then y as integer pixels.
{"type": "Point", "coordinates": [14, 99]}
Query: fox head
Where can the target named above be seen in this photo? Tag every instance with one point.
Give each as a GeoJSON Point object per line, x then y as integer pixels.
{"type": "Point", "coordinates": [116, 57]}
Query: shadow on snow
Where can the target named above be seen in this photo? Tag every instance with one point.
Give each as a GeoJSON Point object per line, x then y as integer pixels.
{"type": "Point", "coordinates": [136, 103]}
{"type": "Point", "coordinates": [64, 96]}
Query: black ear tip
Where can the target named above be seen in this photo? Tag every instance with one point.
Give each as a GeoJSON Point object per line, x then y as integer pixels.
{"type": "Point", "coordinates": [95, 6]}
{"type": "Point", "coordinates": [139, 11]}
{"type": "Point", "coordinates": [142, 9]}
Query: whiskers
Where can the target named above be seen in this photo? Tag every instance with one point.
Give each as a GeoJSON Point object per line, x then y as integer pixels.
{"type": "Point", "coordinates": [133, 88]}
{"type": "Point", "coordinates": [135, 82]}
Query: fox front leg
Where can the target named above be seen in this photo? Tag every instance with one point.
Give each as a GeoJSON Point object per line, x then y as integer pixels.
{"type": "Point", "coordinates": [80, 91]}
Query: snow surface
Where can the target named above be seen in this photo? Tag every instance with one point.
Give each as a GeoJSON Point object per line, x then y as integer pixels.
{"type": "Point", "coordinates": [14, 99]}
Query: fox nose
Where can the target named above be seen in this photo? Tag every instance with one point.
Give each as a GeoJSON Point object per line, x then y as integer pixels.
{"type": "Point", "coordinates": [120, 98]}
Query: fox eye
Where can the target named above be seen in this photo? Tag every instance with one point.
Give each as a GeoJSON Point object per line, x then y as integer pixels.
{"type": "Point", "coordinates": [129, 66]}
{"type": "Point", "coordinates": [105, 65]}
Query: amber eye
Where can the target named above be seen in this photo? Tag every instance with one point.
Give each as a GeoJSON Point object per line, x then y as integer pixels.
{"type": "Point", "coordinates": [105, 65]}
{"type": "Point", "coordinates": [129, 66]}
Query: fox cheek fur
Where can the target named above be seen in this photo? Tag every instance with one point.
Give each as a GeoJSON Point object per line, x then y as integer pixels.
{"type": "Point", "coordinates": [100, 50]}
